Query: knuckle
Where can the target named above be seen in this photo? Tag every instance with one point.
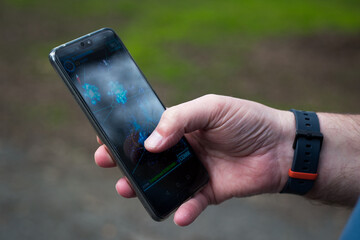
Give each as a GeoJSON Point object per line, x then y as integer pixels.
{"type": "Point", "coordinates": [216, 102]}
{"type": "Point", "coordinates": [210, 97]}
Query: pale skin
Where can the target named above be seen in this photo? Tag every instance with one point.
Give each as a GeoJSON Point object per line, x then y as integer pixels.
{"type": "Point", "coordinates": [247, 149]}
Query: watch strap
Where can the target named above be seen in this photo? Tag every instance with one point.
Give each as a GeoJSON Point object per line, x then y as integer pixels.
{"type": "Point", "coordinates": [307, 145]}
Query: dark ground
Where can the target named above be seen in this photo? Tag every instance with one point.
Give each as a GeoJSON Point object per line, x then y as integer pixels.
{"type": "Point", "coordinates": [51, 189]}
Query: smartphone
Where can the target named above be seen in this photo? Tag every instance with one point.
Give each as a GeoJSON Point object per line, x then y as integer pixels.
{"type": "Point", "coordinates": [124, 110]}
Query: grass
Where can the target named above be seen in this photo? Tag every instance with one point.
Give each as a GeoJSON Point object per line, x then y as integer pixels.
{"type": "Point", "coordinates": [162, 35]}
{"type": "Point", "coordinates": [152, 24]}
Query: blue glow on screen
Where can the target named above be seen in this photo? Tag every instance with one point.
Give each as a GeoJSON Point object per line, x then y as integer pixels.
{"type": "Point", "coordinates": [92, 92]}
{"type": "Point", "coordinates": [126, 108]}
{"type": "Point", "coordinates": [118, 90]}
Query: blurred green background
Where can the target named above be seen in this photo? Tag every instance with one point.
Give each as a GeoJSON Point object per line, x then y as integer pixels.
{"type": "Point", "coordinates": [286, 54]}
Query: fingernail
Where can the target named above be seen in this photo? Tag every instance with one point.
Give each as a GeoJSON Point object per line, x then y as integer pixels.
{"type": "Point", "coordinates": [176, 223]}
{"type": "Point", "coordinates": [154, 140]}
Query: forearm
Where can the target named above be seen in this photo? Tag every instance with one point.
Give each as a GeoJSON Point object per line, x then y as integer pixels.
{"type": "Point", "coordinates": [339, 164]}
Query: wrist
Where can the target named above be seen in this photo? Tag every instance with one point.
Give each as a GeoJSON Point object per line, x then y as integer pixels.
{"type": "Point", "coordinates": [339, 163]}
{"type": "Point", "coordinates": [285, 151]}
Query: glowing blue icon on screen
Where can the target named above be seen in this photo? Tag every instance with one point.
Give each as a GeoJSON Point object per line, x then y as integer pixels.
{"type": "Point", "coordinates": [91, 92]}
{"type": "Point", "coordinates": [118, 90]}
{"type": "Point", "coordinates": [183, 155]}
{"type": "Point", "coordinates": [142, 134]}
{"type": "Point", "coordinates": [142, 137]}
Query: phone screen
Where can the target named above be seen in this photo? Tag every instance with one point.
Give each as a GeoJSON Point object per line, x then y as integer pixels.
{"type": "Point", "coordinates": [127, 110]}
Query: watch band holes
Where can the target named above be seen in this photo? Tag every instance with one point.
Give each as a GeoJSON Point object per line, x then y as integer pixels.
{"type": "Point", "coordinates": [307, 153]}
{"type": "Point", "coordinates": [308, 145]}
{"type": "Point", "coordinates": [307, 119]}
{"type": "Point", "coordinates": [301, 182]}
{"type": "Point", "coordinates": [306, 114]}
{"type": "Point", "coordinates": [305, 168]}
{"type": "Point", "coordinates": [308, 125]}
{"type": "Point", "coordinates": [306, 160]}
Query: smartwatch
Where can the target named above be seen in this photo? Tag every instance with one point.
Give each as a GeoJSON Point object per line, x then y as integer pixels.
{"type": "Point", "coordinates": [307, 145]}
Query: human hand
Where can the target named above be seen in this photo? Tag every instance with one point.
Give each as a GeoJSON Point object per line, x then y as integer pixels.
{"type": "Point", "coordinates": [245, 147]}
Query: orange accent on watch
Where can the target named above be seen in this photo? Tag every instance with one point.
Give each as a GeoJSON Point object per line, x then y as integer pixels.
{"type": "Point", "coordinates": [302, 175]}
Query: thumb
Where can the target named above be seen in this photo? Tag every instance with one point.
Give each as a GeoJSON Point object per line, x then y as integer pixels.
{"type": "Point", "coordinates": [201, 113]}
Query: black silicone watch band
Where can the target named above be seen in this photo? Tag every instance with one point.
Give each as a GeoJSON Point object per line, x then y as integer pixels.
{"type": "Point", "coordinates": [307, 146]}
